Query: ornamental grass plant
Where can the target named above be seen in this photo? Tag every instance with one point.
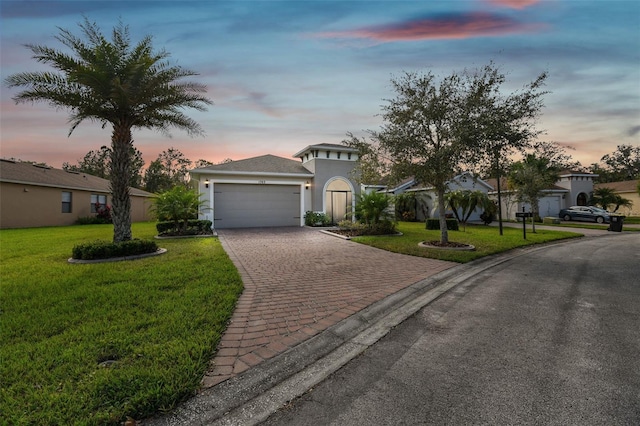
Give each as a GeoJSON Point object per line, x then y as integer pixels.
{"type": "Point", "coordinates": [95, 343]}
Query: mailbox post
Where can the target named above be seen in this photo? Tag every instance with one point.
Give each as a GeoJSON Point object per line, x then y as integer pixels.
{"type": "Point", "coordinates": [524, 215]}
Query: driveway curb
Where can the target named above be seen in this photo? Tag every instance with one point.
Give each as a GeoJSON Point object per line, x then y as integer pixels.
{"type": "Point", "coordinates": [253, 396]}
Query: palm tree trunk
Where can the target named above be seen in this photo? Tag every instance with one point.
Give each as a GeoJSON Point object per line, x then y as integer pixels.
{"type": "Point", "coordinates": [121, 142]}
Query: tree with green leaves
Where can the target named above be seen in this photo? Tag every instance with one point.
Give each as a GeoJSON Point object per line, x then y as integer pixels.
{"type": "Point", "coordinates": [496, 125]}
{"type": "Point", "coordinates": [557, 155]}
{"type": "Point", "coordinates": [622, 164]}
{"type": "Point", "coordinates": [529, 178]}
{"type": "Point", "coordinates": [113, 82]}
{"type": "Point", "coordinates": [434, 128]}
{"type": "Point", "coordinates": [370, 167]}
{"type": "Point", "coordinates": [171, 168]}
{"type": "Point", "coordinates": [98, 163]}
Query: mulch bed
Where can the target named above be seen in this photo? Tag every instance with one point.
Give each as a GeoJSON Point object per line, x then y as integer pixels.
{"type": "Point", "coordinates": [447, 244]}
{"type": "Point", "coordinates": [353, 232]}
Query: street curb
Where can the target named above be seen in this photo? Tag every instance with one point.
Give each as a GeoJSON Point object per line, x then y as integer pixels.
{"type": "Point", "coordinates": [253, 396]}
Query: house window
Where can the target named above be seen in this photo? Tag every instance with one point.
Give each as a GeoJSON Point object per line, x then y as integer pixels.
{"type": "Point", "coordinates": [349, 155]}
{"type": "Point", "coordinates": [338, 155]}
{"type": "Point", "coordinates": [328, 154]}
{"type": "Point", "coordinates": [66, 202]}
{"type": "Point", "coordinates": [582, 199]}
{"type": "Point", "coordinates": [97, 199]}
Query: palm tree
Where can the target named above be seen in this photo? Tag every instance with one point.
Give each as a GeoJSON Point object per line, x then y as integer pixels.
{"type": "Point", "coordinates": [603, 197]}
{"type": "Point", "coordinates": [466, 201]}
{"type": "Point", "coordinates": [607, 197]}
{"type": "Point", "coordinates": [113, 82]}
{"type": "Point", "coordinates": [529, 178]}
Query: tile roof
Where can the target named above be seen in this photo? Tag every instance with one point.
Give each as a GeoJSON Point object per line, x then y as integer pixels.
{"type": "Point", "coordinates": [27, 173]}
{"type": "Point", "coordinates": [623, 186]}
{"type": "Point", "coordinates": [263, 164]}
{"type": "Point", "coordinates": [493, 182]}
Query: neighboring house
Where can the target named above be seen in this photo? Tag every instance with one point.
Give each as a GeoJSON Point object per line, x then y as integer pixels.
{"type": "Point", "coordinates": [574, 188]}
{"type": "Point", "coordinates": [427, 198]}
{"type": "Point", "coordinates": [33, 195]}
{"type": "Point", "coordinates": [274, 191]}
{"type": "Point", "coordinates": [626, 189]}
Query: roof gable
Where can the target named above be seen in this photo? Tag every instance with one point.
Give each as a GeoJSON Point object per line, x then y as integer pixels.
{"type": "Point", "coordinates": [264, 164]}
{"type": "Point", "coordinates": [27, 173]}
{"type": "Point", "coordinates": [622, 186]}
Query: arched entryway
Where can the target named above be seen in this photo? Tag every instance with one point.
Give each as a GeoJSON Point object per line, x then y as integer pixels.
{"type": "Point", "coordinates": [338, 199]}
{"type": "Point", "coordinates": [582, 199]}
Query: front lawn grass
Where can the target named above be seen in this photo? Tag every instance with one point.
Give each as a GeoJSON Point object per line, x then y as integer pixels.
{"type": "Point", "coordinates": [64, 325]}
{"type": "Point", "coordinates": [632, 220]}
{"type": "Point", "coordinates": [486, 240]}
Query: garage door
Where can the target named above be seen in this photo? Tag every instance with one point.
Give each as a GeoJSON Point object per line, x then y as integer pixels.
{"type": "Point", "coordinates": [250, 206]}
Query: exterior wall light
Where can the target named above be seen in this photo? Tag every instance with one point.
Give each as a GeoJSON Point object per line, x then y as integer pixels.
{"type": "Point", "coordinates": [307, 185]}
{"type": "Point", "coordinates": [206, 183]}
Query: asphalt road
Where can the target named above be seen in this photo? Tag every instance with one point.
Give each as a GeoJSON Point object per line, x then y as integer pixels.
{"type": "Point", "coordinates": [551, 338]}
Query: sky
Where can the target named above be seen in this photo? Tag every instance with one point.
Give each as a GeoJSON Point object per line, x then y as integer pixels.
{"type": "Point", "coordinates": [287, 74]}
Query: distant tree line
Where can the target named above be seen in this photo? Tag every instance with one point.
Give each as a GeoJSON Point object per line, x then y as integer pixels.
{"type": "Point", "coordinates": [168, 170]}
{"type": "Point", "coordinates": [623, 164]}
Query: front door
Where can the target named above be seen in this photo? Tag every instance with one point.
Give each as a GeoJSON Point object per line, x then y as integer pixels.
{"type": "Point", "coordinates": [338, 200]}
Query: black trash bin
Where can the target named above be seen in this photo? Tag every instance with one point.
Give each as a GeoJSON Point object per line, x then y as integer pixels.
{"type": "Point", "coordinates": [615, 224]}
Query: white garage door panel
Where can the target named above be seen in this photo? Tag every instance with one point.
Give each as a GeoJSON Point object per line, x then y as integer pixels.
{"type": "Point", "coordinates": [247, 206]}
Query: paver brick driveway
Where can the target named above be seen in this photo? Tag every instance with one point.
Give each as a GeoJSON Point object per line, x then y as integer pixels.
{"type": "Point", "coordinates": [298, 282]}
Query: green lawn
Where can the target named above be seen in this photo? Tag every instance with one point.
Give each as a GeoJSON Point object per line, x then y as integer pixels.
{"type": "Point", "coordinates": [158, 318]}
{"type": "Point", "coordinates": [632, 220]}
{"type": "Point", "coordinates": [487, 240]}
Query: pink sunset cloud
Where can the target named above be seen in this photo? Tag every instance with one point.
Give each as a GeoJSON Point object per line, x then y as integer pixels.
{"type": "Point", "coordinates": [514, 4]}
{"type": "Point", "coordinates": [468, 25]}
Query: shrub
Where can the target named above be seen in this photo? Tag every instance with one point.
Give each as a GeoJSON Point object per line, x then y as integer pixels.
{"type": "Point", "coordinates": [103, 215]}
{"type": "Point", "coordinates": [103, 212]}
{"type": "Point", "coordinates": [487, 217]}
{"type": "Point", "coordinates": [193, 227]}
{"type": "Point", "coordinates": [406, 205]}
{"type": "Point", "coordinates": [179, 205]}
{"type": "Point", "coordinates": [434, 224]}
{"type": "Point", "coordinates": [106, 249]}
{"type": "Point", "coordinates": [355, 229]}
{"type": "Point", "coordinates": [316, 219]}
{"type": "Point", "coordinates": [349, 225]}
{"type": "Point", "coordinates": [373, 207]}
{"type": "Point", "coordinates": [89, 220]}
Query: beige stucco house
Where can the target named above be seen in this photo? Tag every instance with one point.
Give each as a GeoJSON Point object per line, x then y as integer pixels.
{"type": "Point", "coordinates": [276, 191]}
{"type": "Point", "coordinates": [626, 189]}
{"type": "Point", "coordinates": [33, 195]}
